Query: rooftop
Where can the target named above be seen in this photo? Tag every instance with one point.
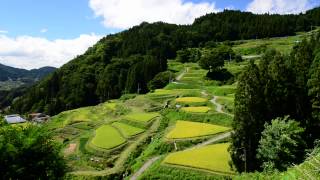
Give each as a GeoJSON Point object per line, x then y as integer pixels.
{"type": "Point", "coordinates": [14, 118]}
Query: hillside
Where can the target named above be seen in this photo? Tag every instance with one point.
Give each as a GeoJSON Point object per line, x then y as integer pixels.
{"type": "Point", "coordinates": [186, 129]}
{"type": "Point", "coordinates": [14, 82]}
{"type": "Point", "coordinates": [127, 61]}
{"type": "Point", "coordinates": [10, 73]}
{"type": "Point", "coordinates": [180, 131]}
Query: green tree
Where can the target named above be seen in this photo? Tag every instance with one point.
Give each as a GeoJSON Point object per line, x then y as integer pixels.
{"type": "Point", "coordinates": [314, 82]}
{"type": "Point", "coordinates": [281, 144]}
{"type": "Point", "coordinates": [183, 55]}
{"type": "Point", "coordinates": [248, 120]}
{"type": "Point", "coordinates": [29, 153]}
{"type": "Point", "coordinates": [212, 61]}
{"type": "Point", "coordinates": [160, 80]}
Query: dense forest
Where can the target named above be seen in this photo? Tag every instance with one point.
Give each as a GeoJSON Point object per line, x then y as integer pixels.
{"type": "Point", "coordinates": [127, 61]}
{"type": "Point", "coordinates": [277, 109]}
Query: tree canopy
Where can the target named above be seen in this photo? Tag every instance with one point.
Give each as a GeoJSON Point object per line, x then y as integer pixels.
{"type": "Point", "coordinates": [29, 153]}
{"type": "Point", "coordinates": [281, 144]}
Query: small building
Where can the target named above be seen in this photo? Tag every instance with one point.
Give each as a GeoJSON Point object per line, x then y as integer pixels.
{"type": "Point", "coordinates": [39, 117]}
{"type": "Point", "coordinates": [14, 119]}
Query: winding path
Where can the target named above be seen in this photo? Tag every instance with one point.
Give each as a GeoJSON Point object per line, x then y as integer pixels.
{"type": "Point", "coordinates": [178, 78]}
{"type": "Point", "coordinates": [144, 167]}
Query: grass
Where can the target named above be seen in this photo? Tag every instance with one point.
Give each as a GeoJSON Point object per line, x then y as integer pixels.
{"type": "Point", "coordinates": [111, 106]}
{"type": "Point", "coordinates": [221, 90]}
{"type": "Point", "coordinates": [141, 117]}
{"type": "Point", "coordinates": [211, 158]}
{"type": "Point", "coordinates": [191, 100]}
{"type": "Point", "coordinates": [127, 130]}
{"type": "Point", "coordinates": [200, 109]}
{"type": "Point", "coordinates": [282, 44]}
{"type": "Point", "coordinates": [188, 129]}
{"type": "Point", "coordinates": [182, 86]}
{"type": "Point", "coordinates": [163, 92]}
{"type": "Point", "coordinates": [107, 137]}
{"type": "Point", "coordinates": [227, 102]}
{"type": "Point", "coordinates": [158, 171]}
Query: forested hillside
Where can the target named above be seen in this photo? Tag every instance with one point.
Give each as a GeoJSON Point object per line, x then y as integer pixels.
{"type": "Point", "coordinates": [127, 61]}
{"type": "Point", "coordinates": [277, 109]}
{"type": "Point", "coordinates": [11, 73]}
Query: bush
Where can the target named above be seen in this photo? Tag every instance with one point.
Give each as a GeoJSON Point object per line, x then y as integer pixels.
{"type": "Point", "coordinates": [160, 80]}
{"type": "Point", "coordinates": [29, 153]}
{"type": "Point", "coordinates": [281, 144]}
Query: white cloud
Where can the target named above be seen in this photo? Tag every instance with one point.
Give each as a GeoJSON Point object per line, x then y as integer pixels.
{"type": "Point", "coordinates": [44, 30]}
{"type": "Point", "coordinates": [34, 52]}
{"type": "Point", "coordinates": [3, 32]}
{"type": "Point", "coordinates": [279, 6]}
{"type": "Point", "coordinates": [127, 13]}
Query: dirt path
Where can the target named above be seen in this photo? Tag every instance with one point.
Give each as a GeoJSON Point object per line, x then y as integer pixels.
{"type": "Point", "coordinates": [144, 167]}
{"type": "Point", "coordinates": [178, 78]}
{"type": "Point", "coordinates": [70, 149]}
{"type": "Point", "coordinates": [219, 107]}
{"type": "Point", "coordinates": [212, 140]}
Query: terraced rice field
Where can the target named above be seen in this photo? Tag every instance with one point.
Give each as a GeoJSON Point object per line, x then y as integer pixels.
{"type": "Point", "coordinates": [200, 109]}
{"type": "Point", "coordinates": [107, 137]}
{"type": "Point", "coordinates": [141, 117]}
{"type": "Point", "coordinates": [163, 92]}
{"type": "Point", "coordinates": [188, 129]}
{"type": "Point", "coordinates": [191, 100]}
{"type": "Point", "coordinates": [221, 90]}
{"type": "Point", "coordinates": [111, 106]}
{"type": "Point", "coordinates": [213, 158]}
{"type": "Point", "coordinates": [127, 130]}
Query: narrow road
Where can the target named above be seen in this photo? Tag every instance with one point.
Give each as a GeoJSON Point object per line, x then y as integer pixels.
{"type": "Point", "coordinates": [219, 107]}
{"type": "Point", "coordinates": [144, 167]}
{"type": "Point", "coordinates": [212, 140]}
{"type": "Point", "coordinates": [178, 78]}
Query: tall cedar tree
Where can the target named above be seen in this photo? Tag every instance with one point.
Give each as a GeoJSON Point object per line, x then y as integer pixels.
{"type": "Point", "coordinates": [248, 121]}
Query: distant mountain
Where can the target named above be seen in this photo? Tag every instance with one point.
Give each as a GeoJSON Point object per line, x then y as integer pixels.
{"type": "Point", "coordinates": [15, 82]}
{"type": "Point", "coordinates": [11, 73]}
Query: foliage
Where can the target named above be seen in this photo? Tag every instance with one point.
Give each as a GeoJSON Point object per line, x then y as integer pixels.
{"type": "Point", "coordinates": [188, 129]}
{"type": "Point", "coordinates": [107, 137]}
{"type": "Point", "coordinates": [212, 157]}
{"type": "Point", "coordinates": [314, 81]}
{"type": "Point", "coordinates": [160, 80]}
{"type": "Point", "coordinates": [214, 60]}
{"type": "Point", "coordinates": [281, 144]}
{"type": "Point", "coordinates": [188, 55]}
{"type": "Point", "coordinates": [29, 153]}
{"type": "Point", "coordinates": [248, 120]}
{"type": "Point", "coordinates": [278, 87]}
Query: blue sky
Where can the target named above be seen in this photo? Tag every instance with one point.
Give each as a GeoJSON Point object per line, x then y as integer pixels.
{"type": "Point", "coordinates": [36, 33]}
{"type": "Point", "coordinates": [64, 18]}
